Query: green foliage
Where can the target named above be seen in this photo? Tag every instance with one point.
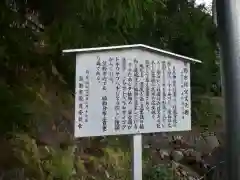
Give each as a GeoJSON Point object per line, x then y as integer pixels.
{"type": "Point", "coordinates": [160, 172]}
{"type": "Point", "coordinates": [203, 113]}
{"type": "Point", "coordinates": [45, 162]}
{"type": "Point", "coordinates": [14, 116]}
{"type": "Point", "coordinates": [116, 164]}
{"type": "Point", "coordinates": [26, 150]}
{"type": "Point", "coordinates": [60, 164]}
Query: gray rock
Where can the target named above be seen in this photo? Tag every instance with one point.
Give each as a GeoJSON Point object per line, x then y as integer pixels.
{"type": "Point", "coordinates": [175, 165]}
{"type": "Point", "coordinates": [200, 144]}
{"type": "Point", "coordinates": [212, 142]}
{"type": "Point", "coordinates": [164, 154]}
{"type": "Point", "coordinates": [146, 146]}
{"type": "Point", "coordinates": [177, 155]}
{"type": "Point", "coordinates": [191, 178]}
{"type": "Point", "coordinates": [197, 156]}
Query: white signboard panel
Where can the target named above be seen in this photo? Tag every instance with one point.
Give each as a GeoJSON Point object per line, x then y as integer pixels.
{"type": "Point", "coordinates": [131, 91]}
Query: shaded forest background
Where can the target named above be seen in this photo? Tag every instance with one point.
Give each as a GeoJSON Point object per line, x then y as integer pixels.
{"type": "Point", "coordinates": [37, 82]}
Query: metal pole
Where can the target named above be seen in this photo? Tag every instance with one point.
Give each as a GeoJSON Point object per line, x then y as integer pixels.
{"type": "Point", "coordinates": [137, 157]}
{"type": "Point", "coordinates": [228, 16]}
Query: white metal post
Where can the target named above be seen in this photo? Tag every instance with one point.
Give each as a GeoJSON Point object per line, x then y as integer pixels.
{"type": "Point", "coordinates": [137, 157]}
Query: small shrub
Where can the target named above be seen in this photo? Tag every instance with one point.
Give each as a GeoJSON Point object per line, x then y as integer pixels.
{"type": "Point", "coordinates": [160, 172]}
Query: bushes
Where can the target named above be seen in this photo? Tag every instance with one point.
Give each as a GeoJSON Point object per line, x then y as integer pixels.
{"type": "Point", "coordinates": [38, 162]}
{"type": "Point", "coordinates": [48, 163]}
{"type": "Point", "coordinates": [160, 172]}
